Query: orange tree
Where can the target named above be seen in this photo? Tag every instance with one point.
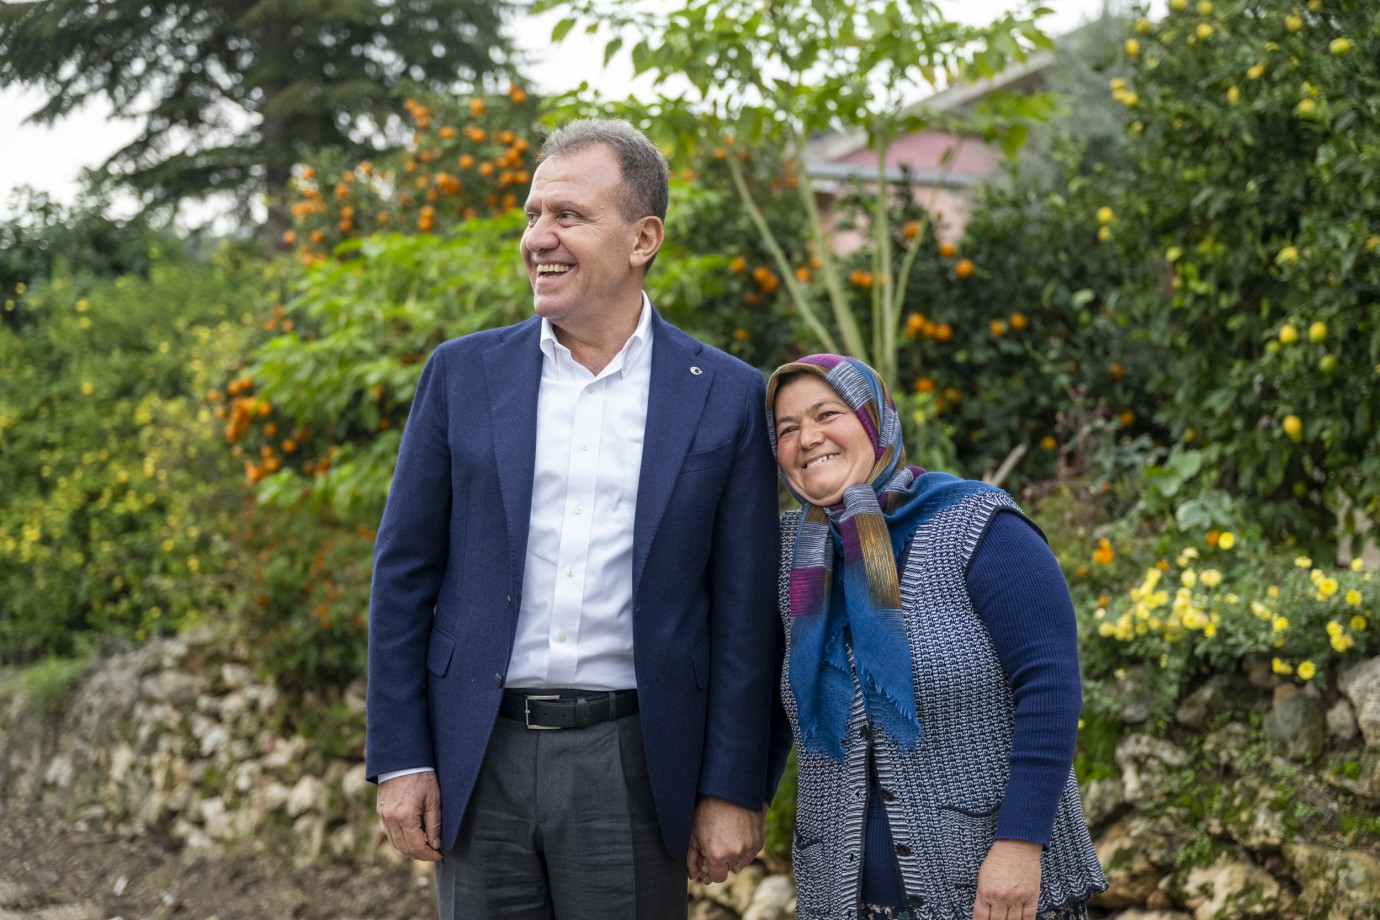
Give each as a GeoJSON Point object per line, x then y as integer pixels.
{"type": "Point", "coordinates": [462, 159]}
{"type": "Point", "coordinates": [1250, 216]}
{"type": "Point", "coordinates": [771, 77]}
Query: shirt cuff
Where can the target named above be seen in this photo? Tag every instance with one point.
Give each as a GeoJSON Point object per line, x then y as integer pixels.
{"type": "Point", "coordinates": [394, 774]}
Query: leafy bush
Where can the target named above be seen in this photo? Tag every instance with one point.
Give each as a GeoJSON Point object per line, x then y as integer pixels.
{"type": "Point", "coordinates": [42, 238]}
{"type": "Point", "coordinates": [1248, 217]}
{"type": "Point", "coordinates": [317, 414]}
{"type": "Point", "coordinates": [463, 160]}
{"type": "Point", "coordinates": [117, 501]}
{"type": "Point", "coordinates": [1217, 604]}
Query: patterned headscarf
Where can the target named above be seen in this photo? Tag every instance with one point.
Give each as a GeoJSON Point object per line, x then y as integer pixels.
{"type": "Point", "coordinates": [869, 527]}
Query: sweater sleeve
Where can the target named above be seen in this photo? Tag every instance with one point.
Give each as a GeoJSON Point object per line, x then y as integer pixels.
{"type": "Point", "coordinates": [1018, 589]}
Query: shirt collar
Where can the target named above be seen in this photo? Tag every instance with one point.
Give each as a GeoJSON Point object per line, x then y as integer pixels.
{"type": "Point", "coordinates": [629, 357]}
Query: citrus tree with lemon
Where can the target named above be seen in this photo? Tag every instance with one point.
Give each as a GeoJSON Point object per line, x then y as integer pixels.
{"type": "Point", "coordinates": [1250, 221]}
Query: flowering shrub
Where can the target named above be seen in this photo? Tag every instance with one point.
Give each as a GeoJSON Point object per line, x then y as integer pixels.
{"type": "Point", "coordinates": [117, 503]}
{"type": "Point", "coordinates": [462, 160]}
{"type": "Point", "coordinates": [316, 414]}
{"type": "Point", "coordinates": [1247, 216]}
{"type": "Point", "coordinates": [1217, 603]}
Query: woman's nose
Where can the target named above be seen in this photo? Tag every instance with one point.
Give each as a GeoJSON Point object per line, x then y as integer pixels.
{"type": "Point", "coordinates": [810, 434]}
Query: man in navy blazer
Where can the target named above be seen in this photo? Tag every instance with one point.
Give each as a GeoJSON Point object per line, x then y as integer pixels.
{"type": "Point", "coordinates": [572, 634]}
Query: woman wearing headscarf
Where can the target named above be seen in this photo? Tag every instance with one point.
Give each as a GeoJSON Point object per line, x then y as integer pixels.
{"type": "Point", "coordinates": [931, 675]}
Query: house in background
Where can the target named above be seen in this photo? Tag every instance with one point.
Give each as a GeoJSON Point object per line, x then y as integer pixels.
{"type": "Point", "coordinates": [945, 168]}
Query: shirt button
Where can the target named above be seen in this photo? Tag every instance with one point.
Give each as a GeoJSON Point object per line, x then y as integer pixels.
{"type": "Point", "coordinates": [579, 509]}
{"type": "Point", "coordinates": [560, 637]}
{"type": "Point", "coordinates": [590, 388]}
{"type": "Point", "coordinates": [584, 447]}
{"type": "Point", "coordinates": [570, 571]}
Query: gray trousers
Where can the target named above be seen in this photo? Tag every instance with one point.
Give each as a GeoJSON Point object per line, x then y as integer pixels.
{"type": "Point", "coordinates": [561, 826]}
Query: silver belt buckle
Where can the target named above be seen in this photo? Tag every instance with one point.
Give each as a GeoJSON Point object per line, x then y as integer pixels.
{"type": "Point", "coordinates": [527, 712]}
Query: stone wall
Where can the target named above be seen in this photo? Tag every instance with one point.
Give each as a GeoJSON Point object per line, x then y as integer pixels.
{"type": "Point", "coordinates": [1259, 800]}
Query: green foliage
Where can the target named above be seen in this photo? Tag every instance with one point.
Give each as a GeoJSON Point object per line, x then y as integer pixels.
{"type": "Point", "coordinates": [116, 499]}
{"type": "Point", "coordinates": [231, 94]}
{"type": "Point", "coordinates": [302, 604]}
{"type": "Point", "coordinates": [41, 237]}
{"type": "Point", "coordinates": [321, 407]}
{"type": "Point", "coordinates": [773, 77]}
{"type": "Point", "coordinates": [50, 684]}
{"type": "Point", "coordinates": [1248, 218]}
{"type": "Point", "coordinates": [463, 159]}
{"type": "Point", "coordinates": [1216, 603]}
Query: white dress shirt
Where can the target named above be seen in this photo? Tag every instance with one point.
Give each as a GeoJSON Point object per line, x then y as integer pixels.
{"type": "Point", "coordinates": [574, 626]}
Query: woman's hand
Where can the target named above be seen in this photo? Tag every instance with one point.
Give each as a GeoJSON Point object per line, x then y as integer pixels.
{"type": "Point", "coordinates": [1009, 882]}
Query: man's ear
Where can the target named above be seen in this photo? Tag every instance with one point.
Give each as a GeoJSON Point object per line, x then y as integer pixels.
{"type": "Point", "coordinates": [650, 234]}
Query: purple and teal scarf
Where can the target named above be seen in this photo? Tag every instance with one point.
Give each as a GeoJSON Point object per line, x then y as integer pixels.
{"type": "Point", "coordinates": [869, 528]}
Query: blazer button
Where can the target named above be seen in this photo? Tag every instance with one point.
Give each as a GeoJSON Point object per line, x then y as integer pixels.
{"type": "Point", "coordinates": [498, 680]}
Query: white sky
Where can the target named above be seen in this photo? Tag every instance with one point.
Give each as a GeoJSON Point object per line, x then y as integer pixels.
{"type": "Point", "coordinates": [50, 158]}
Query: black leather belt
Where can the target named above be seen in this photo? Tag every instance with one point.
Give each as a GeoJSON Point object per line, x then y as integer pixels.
{"type": "Point", "coordinates": [545, 709]}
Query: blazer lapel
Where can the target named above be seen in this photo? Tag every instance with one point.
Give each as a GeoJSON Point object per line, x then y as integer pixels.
{"type": "Point", "coordinates": [676, 399]}
{"type": "Point", "coordinates": [512, 372]}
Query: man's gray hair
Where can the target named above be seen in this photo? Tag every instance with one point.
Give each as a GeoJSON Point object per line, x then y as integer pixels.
{"type": "Point", "coordinates": [645, 175]}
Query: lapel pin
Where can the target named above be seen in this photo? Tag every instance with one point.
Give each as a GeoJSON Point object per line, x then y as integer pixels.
{"type": "Point", "coordinates": [695, 370]}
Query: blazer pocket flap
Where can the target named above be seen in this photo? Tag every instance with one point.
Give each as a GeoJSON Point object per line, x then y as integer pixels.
{"type": "Point", "coordinates": [718, 455]}
{"type": "Point", "coordinates": [438, 655]}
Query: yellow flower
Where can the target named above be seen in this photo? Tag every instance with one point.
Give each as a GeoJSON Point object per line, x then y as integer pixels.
{"type": "Point", "coordinates": [1280, 623]}
{"type": "Point", "coordinates": [1211, 578]}
{"type": "Point", "coordinates": [1280, 667]}
{"type": "Point", "coordinates": [1227, 540]}
{"type": "Point", "coordinates": [1272, 591]}
{"type": "Point", "coordinates": [87, 388]}
{"type": "Point", "coordinates": [1356, 564]}
{"type": "Point", "coordinates": [1334, 629]}
{"type": "Point", "coordinates": [1307, 669]}
{"type": "Point", "coordinates": [1342, 643]}
{"type": "Point", "coordinates": [1327, 587]}
{"type": "Point", "coordinates": [1359, 624]}
{"type": "Point", "coordinates": [1210, 630]}
{"type": "Point", "coordinates": [1303, 562]}
{"type": "Point", "coordinates": [1353, 597]}
{"type": "Point", "coordinates": [1189, 578]}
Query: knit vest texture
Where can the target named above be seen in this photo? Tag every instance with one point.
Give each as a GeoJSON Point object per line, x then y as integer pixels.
{"type": "Point", "coordinates": [943, 798]}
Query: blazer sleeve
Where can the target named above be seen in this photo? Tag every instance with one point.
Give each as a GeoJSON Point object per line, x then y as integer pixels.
{"type": "Point", "coordinates": [410, 556]}
{"type": "Point", "coordinates": [743, 617]}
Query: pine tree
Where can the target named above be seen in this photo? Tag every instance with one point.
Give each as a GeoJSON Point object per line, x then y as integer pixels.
{"type": "Point", "coordinates": [231, 93]}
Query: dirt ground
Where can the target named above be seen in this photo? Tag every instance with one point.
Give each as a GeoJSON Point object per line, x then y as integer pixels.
{"type": "Point", "coordinates": [48, 874]}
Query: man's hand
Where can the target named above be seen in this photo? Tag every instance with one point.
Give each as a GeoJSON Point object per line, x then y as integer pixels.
{"type": "Point", "coordinates": [1009, 882]}
{"type": "Point", "coordinates": [724, 838]}
{"type": "Point", "coordinates": [410, 809]}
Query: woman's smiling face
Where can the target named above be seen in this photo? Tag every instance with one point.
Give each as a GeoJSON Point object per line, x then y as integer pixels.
{"type": "Point", "coordinates": [821, 446]}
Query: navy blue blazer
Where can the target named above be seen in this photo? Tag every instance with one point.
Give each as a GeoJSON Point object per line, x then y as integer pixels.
{"type": "Point", "coordinates": [449, 560]}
